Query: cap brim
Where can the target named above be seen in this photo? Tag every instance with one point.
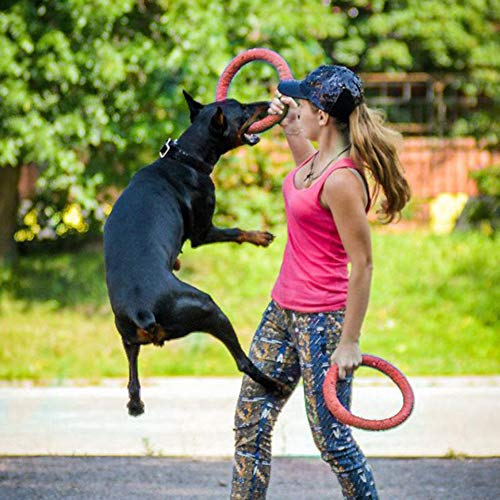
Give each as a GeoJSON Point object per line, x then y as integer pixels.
{"type": "Point", "coordinates": [292, 88]}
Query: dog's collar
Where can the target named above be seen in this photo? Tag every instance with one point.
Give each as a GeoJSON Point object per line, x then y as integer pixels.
{"type": "Point", "coordinates": [173, 150]}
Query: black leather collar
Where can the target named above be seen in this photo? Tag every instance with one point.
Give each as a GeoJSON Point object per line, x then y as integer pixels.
{"type": "Point", "coordinates": [174, 151]}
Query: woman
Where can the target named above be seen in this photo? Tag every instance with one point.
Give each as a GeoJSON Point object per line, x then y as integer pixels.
{"type": "Point", "coordinates": [317, 308]}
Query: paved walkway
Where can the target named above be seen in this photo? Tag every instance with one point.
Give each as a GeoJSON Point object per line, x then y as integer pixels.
{"type": "Point", "coordinates": [146, 478]}
{"type": "Point", "coordinates": [193, 417]}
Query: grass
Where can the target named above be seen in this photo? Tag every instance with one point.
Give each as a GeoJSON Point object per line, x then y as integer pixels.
{"type": "Point", "coordinates": [433, 311]}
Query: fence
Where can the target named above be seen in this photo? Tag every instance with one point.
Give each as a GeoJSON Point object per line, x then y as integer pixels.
{"type": "Point", "coordinates": [434, 165]}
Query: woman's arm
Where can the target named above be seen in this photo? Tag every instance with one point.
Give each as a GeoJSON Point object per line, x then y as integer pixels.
{"type": "Point", "coordinates": [300, 147]}
{"type": "Point", "coordinates": [344, 196]}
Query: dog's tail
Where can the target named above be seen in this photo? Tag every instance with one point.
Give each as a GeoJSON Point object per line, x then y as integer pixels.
{"type": "Point", "coordinates": [144, 319]}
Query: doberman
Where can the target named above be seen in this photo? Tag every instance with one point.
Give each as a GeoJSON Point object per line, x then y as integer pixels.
{"type": "Point", "coordinates": [166, 203]}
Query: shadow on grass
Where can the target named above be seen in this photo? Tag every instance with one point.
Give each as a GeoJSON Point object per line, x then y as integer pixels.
{"type": "Point", "coordinates": [65, 280]}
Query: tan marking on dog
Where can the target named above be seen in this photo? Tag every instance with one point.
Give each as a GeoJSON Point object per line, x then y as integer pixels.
{"type": "Point", "coordinates": [259, 238]}
{"type": "Point", "coordinates": [143, 336]}
{"type": "Point", "coordinates": [244, 128]}
{"type": "Point", "coordinates": [160, 335]}
{"type": "Point", "coordinates": [156, 337]}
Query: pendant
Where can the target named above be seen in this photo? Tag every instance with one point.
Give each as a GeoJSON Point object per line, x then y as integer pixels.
{"type": "Point", "coordinates": [309, 176]}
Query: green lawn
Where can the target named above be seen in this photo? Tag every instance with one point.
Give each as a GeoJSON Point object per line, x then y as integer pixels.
{"type": "Point", "coordinates": [434, 310]}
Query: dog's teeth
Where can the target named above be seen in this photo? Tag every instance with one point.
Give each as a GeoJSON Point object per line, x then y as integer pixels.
{"type": "Point", "coordinates": [251, 138]}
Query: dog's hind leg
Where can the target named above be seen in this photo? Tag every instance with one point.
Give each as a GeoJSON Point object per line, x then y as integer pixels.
{"type": "Point", "coordinates": [195, 311]}
{"type": "Point", "coordinates": [135, 405]}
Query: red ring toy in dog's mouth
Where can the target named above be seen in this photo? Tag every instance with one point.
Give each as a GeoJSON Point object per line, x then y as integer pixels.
{"type": "Point", "coordinates": [235, 65]}
{"type": "Point", "coordinates": [346, 417]}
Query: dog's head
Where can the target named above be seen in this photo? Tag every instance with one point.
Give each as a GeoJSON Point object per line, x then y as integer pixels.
{"type": "Point", "coordinates": [228, 121]}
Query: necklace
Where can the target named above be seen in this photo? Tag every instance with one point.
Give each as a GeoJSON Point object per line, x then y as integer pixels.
{"type": "Point", "coordinates": [310, 177]}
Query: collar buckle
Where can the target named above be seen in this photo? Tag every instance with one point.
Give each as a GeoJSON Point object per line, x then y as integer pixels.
{"type": "Point", "coordinates": [165, 148]}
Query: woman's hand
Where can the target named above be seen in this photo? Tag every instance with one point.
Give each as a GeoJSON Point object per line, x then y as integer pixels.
{"type": "Point", "coordinates": [347, 356]}
{"type": "Point", "coordinates": [281, 104]}
{"type": "Point", "coordinates": [300, 146]}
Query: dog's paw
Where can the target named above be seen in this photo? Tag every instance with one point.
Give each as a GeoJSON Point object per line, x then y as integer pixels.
{"type": "Point", "coordinates": [259, 238]}
{"type": "Point", "coordinates": [135, 408]}
{"type": "Point", "coordinates": [268, 238]}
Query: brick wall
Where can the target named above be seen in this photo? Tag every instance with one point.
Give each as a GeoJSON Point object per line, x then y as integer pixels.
{"type": "Point", "coordinates": [433, 165]}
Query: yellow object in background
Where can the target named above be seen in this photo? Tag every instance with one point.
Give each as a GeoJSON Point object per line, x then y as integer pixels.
{"type": "Point", "coordinates": [444, 211]}
{"type": "Point", "coordinates": [73, 218]}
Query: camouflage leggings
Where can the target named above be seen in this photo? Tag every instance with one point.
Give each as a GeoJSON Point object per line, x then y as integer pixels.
{"type": "Point", "coordinates": [288, 345]}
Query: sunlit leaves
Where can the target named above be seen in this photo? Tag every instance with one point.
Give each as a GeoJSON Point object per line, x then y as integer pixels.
{"type": "Point", "coordinates": [90, 89]}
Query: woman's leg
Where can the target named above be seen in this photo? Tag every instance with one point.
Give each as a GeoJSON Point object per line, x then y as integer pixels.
{"type": "Point", "coordinates": [273, 352]}
{"type": "Point", "coordinates": [319, 336]}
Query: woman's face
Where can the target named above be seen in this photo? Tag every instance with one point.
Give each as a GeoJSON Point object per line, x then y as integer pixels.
{"type": "Point", "coordinates": [308, 116]}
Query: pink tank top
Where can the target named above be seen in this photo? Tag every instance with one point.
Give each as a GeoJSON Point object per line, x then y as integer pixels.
{"type": "Point", "coordinates": [313, 275]}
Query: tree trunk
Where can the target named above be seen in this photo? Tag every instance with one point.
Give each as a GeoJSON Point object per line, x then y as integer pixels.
{"type": "Point", "coordinates": [9, 203]}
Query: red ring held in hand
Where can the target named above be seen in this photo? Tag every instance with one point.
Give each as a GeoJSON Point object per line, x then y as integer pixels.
{"type": "Point", "coordinates": [237, 63]}
{"type": "Point", "coordinates": [346, 417]}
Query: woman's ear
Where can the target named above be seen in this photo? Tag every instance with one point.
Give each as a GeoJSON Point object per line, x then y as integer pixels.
{"type": "Point", "coordinates": [323, 118]}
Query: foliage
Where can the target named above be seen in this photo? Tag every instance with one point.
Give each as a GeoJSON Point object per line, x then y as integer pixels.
{"type": "Point", "coordinates": [248, 191]}
{"type": "Point", "coordinates": [488, 180]}
{"type": "Point", "coordinates": [91, 89]}
{"type": "Point", "coordinates": [483, 211]}
{"type": "Point", "coordinates": [435, 315]}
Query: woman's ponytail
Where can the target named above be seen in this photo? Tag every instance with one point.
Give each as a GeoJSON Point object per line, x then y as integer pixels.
{"type": "Point", "coordinates": [375, 147]}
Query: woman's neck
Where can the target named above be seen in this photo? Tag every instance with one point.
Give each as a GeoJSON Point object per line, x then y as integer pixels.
{"type": "Point", "coordinates": [330, 143]}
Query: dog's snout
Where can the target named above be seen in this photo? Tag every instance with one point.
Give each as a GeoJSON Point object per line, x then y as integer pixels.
{"type": "Point", "coordinates": [262, 108]}
{"type": "Point", "coordinates": [256, 111]}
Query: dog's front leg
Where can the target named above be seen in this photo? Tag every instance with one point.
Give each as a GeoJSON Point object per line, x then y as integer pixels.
{"type": "Point", "coordinates": [218, 235]}
{"type": "Point", "coordinates": [135, 405]}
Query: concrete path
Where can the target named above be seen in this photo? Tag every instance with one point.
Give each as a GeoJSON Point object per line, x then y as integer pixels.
{"type": "Point", "coordinates": [193, 417]}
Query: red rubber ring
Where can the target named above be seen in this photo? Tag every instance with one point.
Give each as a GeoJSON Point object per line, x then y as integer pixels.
{"type": "Point", "coordinates": [346, 417]}
{"type": "Point", "coordinates": [237, 63]}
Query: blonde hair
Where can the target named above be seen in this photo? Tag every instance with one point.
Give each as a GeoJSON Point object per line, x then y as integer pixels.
{"type": "Point", "coordinates": [374, 146]}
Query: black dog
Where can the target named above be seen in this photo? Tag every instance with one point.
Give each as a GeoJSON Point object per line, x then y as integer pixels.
{"type": "Point", "coordinates": [166, 203]}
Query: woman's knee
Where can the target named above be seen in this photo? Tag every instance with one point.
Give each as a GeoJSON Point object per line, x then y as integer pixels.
{"type": "Point", "coordinates": [343, 457]}
{"type": "Point", "coordinates": [335, 442]}
{"type": "Point", "coordinates": [253, 438]}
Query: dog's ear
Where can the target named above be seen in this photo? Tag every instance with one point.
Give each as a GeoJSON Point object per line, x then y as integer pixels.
{"type": "Point", "coordinates": [194, 106]}
{"type": "Point", "coordinates": [219, 121]}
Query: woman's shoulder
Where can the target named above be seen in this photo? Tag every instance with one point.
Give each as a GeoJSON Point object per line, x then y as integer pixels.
{"type": "Point", "coordinates": [344, 185]}
{"type": "Point", "coordinates": [339, 170]}
{"type": "Point", "coordinates": [340, 177]}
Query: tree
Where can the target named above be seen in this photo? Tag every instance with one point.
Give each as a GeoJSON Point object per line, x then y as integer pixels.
{"type": "Point", "coordinates": [90, 89]}
{"type": "Point", "coordinates": [458, 38]}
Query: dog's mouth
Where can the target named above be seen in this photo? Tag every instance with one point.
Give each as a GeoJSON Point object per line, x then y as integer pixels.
{"type": "Point", "coordinates": [260, 113]}
{"type": "Point", "coordinates": [245, 135]}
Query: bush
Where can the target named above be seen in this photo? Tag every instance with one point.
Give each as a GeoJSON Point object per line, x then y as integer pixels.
{"type": "Point", "coordinates": [483, 211]}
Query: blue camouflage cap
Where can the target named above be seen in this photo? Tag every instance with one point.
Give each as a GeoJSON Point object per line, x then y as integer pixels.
{"type": "Point", "coordinates": [334, 89]}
